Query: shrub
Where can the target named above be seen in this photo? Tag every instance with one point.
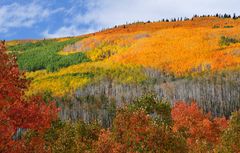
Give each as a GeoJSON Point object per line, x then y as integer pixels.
{"type": "Point", "coordinates": [201, 130]}
{"type": "Point", "coordinates": [228, 26]}
{"type": "Point", "coordinates": [160, 110]}
{"type": "Point", "coordinates": [136, 132]}
{"type": "Point", "coordinates": [215, 27]}
{"type": "Point", "coordinates": [226, 41]}
{"type": "Point", "coordinates": [231, 136]}
{"type": "Point", "coordinates": [71, 137]}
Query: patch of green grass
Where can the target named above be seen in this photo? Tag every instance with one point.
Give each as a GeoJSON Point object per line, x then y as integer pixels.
{"type": "Point", "coordinates": [43, 55]}
{"type": "Point", "coordinates": [65, 61]}
{"type": "Point", "coordinates": [29, 45]}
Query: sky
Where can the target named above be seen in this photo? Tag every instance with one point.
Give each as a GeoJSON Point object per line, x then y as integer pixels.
{"type": "Point", "coordinates": [37, 19]}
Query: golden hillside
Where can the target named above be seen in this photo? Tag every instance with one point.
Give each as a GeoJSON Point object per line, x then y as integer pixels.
{"type": "Point", "coordinates": [181, 48]}
{"type": "Point", "coordinates": [177, 47]}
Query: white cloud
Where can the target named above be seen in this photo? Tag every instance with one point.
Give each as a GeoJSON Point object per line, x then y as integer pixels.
{"type": "Point", "coordinates": [107, 13]}
{"type": "Point", "coordinates": [67, 31]}
{"type": "Point", "coordinates": [16, 15]}
{"type": "Point", "coordinates": [85, 16]}
{"type": "Point", "coordinates": [110, 12]}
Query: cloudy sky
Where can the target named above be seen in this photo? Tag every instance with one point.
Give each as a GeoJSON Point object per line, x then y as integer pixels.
{"type": "Point", "coordinates": [23, 19]}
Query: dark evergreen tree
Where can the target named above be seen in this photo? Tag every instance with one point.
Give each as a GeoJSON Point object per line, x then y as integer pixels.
{"type": "Point", "coordinates": [234, 16]}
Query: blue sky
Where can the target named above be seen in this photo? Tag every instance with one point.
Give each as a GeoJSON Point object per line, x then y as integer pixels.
{"type": "Point", "coordinates": [34, 19]}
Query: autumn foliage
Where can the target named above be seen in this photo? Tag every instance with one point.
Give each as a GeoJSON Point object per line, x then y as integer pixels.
{"type": "Point", "coordinates": [201, 130]}
{"type": "Point", "coordinates": [120, 54]}
{"type": "Point", "coordinates": [181, 48]}
{"type": "Point", "coordinates": [17, 112]}
{"type": "Point", "coordinates": [136, 130]}
{"type": "Point", "coordinates": [146, 125]}
{"type": "Point", "coordinates": [231, 136]}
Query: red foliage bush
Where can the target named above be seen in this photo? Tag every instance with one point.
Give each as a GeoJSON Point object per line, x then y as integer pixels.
{"type": "Point", "coordinates": [197, 127]}
{"type": "Point", "coordinates": [15, 111]}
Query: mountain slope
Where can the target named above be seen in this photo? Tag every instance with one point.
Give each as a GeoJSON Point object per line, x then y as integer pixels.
{"type": "Point", "coordinates": [184, 60]}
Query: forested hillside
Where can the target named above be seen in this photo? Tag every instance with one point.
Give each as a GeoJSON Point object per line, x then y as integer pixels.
{"type": "Point", "coordinates": [151, 83]}
{"type": "Point", "coordinates": [195, 59]}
